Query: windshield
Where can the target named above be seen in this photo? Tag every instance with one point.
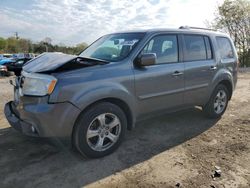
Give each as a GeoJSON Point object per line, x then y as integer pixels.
{"type": "Point", "coordinates": [114, 47]}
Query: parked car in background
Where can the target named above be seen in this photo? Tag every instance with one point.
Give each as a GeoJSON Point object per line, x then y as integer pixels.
{"type": "Point", "coordinates": [3, 70]}
{"type": "Point", "coordinates": [1, 56]}
{"type": "Point", "coordinates": [8, 55]}
{"type": "Point", "coordinates": [6, 61]}
{"type": "Point", "coordinates": [24, 56]}
{"type": "Point", "coordinates": [3, 66]}
{"type": "Point", "coordinates": [119, 79]}
{"type": "Point", "coordinates": [16, 65]}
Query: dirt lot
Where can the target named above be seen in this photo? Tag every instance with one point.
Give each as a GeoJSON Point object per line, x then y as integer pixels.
{"type": "Point", "coordinates": [182, 148]}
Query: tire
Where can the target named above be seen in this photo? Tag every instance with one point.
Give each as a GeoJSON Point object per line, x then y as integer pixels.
{"type": "Point", "coordinates": [217, 103]}
{"type": "Point", "coordinates": [99, 130]}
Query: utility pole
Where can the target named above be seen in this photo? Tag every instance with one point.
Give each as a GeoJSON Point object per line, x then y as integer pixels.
{"type": "Point", "coordinates": [16, 35]}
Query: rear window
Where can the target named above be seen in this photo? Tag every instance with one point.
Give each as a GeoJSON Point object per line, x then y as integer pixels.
{"type": "Point", "coordinates": [195, 48]}
{"type": "Point", "coordinates": [225, 47]}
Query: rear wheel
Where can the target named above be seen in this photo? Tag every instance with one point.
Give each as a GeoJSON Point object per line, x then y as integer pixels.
{"type": "Point", "coordinates": [99, 130]}
{"type": "Point", "coordinates": [217, 104]}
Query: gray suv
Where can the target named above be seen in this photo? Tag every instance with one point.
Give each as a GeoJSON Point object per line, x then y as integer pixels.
{"type": "Point", "coordinates": [93, 98]}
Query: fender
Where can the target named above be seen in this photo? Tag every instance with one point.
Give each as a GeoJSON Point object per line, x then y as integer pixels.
{"type": "Point", "coordinates": [108, 90]}
{"type": "Point", "coordinates": [221, 75]}
{"type": "Point", "coordinates": [91, 93]}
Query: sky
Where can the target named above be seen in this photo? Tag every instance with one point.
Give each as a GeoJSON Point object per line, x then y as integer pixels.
{"type": "Point", "coordinates": [71, 22]}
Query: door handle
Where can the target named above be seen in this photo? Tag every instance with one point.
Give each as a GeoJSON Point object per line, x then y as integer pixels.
{"type": "Point", "coordinates": [213, 68]}
{"type": "Point", "coordinates": [177, 73]}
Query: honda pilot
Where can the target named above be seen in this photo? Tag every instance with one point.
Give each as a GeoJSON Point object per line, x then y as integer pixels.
{"type": "Point", "coordinates": [93, 98]}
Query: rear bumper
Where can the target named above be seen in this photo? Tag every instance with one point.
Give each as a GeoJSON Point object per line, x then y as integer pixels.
{"type": "Point", "coordinates": [42, 120]}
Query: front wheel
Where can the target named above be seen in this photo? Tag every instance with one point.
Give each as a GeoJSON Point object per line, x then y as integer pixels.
{"type": "Point", "coordinates": [217, 104]}
{"type": "Point", "coordinates": [99, 130]}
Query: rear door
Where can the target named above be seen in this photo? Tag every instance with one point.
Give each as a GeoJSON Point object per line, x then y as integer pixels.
{"type": "Point", "coordinates": [228, 55]}
{"type": "Point", "coordinates": [161, 86]}
{"type": "Point", "coordinates": [200, 66]}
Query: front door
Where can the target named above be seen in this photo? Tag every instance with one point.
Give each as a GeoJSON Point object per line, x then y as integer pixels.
{"type": "Point", "coordinates": [160, 86]}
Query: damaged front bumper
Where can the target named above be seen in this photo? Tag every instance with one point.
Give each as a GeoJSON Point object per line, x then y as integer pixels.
{"type": "Point", "coordinates": [16, 122]}
{"type": "Point", "coordinates": [42, 119]}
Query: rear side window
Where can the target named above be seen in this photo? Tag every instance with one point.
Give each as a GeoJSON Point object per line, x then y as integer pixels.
{"type": "Point", "coordinates": [195, 48]}
{"type": "Point", "coordinates": [225, 47]}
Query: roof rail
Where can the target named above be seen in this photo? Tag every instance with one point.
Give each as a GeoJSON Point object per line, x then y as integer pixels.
{"type": "Point", "coordinates": [188, 27]}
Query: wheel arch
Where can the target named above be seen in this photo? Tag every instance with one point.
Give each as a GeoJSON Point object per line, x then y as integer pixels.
{"type": "Point", "coordinates": [229, 87]}
{"type": "Point", "coordinates": [223, 77]}
{"type": "Point", "coordinates": [120, 103]}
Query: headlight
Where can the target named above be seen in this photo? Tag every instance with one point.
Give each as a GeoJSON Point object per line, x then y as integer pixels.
{"type": "Point", "coordinates": [38, 84]}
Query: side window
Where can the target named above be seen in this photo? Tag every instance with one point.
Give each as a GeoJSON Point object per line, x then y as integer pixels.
{"type": "Point", "coordinates": [165, 47]}
{"type": "Point", "coordinates": [194, 48]}
{"type": "Point", "coordinates": [148, 47]}
{"type": "Point", "coordinates": [225, 47]}
{"type": "Point", "coordinates": [208, 47]}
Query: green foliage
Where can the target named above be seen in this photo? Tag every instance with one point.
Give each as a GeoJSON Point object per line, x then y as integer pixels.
{"type": "Point", "coordinates": [233, 17]}
{"type": "Point", "coordinates": [13, 45]}
{"type": "Point", "coordinates": [2, 44]}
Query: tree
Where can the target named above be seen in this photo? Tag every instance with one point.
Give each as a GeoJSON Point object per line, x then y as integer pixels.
{"type": "Point", "coordinates": [80, 47]}
{"type": "Point", "coordinates": [24, 45]}
{"type": "Point", "coordinates": [21, 45]}
{"type": "Point", "coordinates": [2, 44]}
{"type": "Point", "coordinates": [11, 45]}
{"type": "Point", "coordinates": [233, 17]}
{"type": "Point", "coordinates": [47, 43]}
{"type": "Point", "coordinates": [47, 40]}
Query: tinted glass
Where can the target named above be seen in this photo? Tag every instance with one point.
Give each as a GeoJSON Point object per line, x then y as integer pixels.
{"type": "Point", "coordinates": [225, 47]}
{"type": "Point", "coordinates": [194, 48]}
{"type": "Point", "coordinates": [114, 47]}
{"type": "Point", "coordinates": [165, 47]}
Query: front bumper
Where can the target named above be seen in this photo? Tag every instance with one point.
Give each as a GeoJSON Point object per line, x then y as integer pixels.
{"type": "Point", "coordinates": [42, 119]}
{"type": "Point", "coordinates": [16, 122]}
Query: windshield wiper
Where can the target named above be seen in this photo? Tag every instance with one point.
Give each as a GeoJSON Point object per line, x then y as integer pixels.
{"type": "Point", "coordinates": [99, 61]}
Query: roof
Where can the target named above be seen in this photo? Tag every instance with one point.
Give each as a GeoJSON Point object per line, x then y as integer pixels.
{"type": "Point", "coordinates": [195, 30]}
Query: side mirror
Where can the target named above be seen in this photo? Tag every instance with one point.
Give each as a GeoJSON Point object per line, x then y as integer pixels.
{"type": "Point", "coordinates": [146, 59]}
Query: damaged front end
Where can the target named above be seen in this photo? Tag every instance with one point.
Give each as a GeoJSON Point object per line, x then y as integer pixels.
{"type": "Point", "coordinates": [56, 62]}
{"type": "Point", "coordinates": [38, 75]}
{"type": "Point", "coordinates": [31, 111]}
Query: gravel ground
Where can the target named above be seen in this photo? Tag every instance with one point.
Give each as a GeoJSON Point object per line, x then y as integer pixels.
{"type": "Point", "coordinates": [180, 149]}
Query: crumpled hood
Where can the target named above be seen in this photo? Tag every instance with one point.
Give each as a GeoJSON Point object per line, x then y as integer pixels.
{"type": "Point", "coordinates": [48, 61]}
